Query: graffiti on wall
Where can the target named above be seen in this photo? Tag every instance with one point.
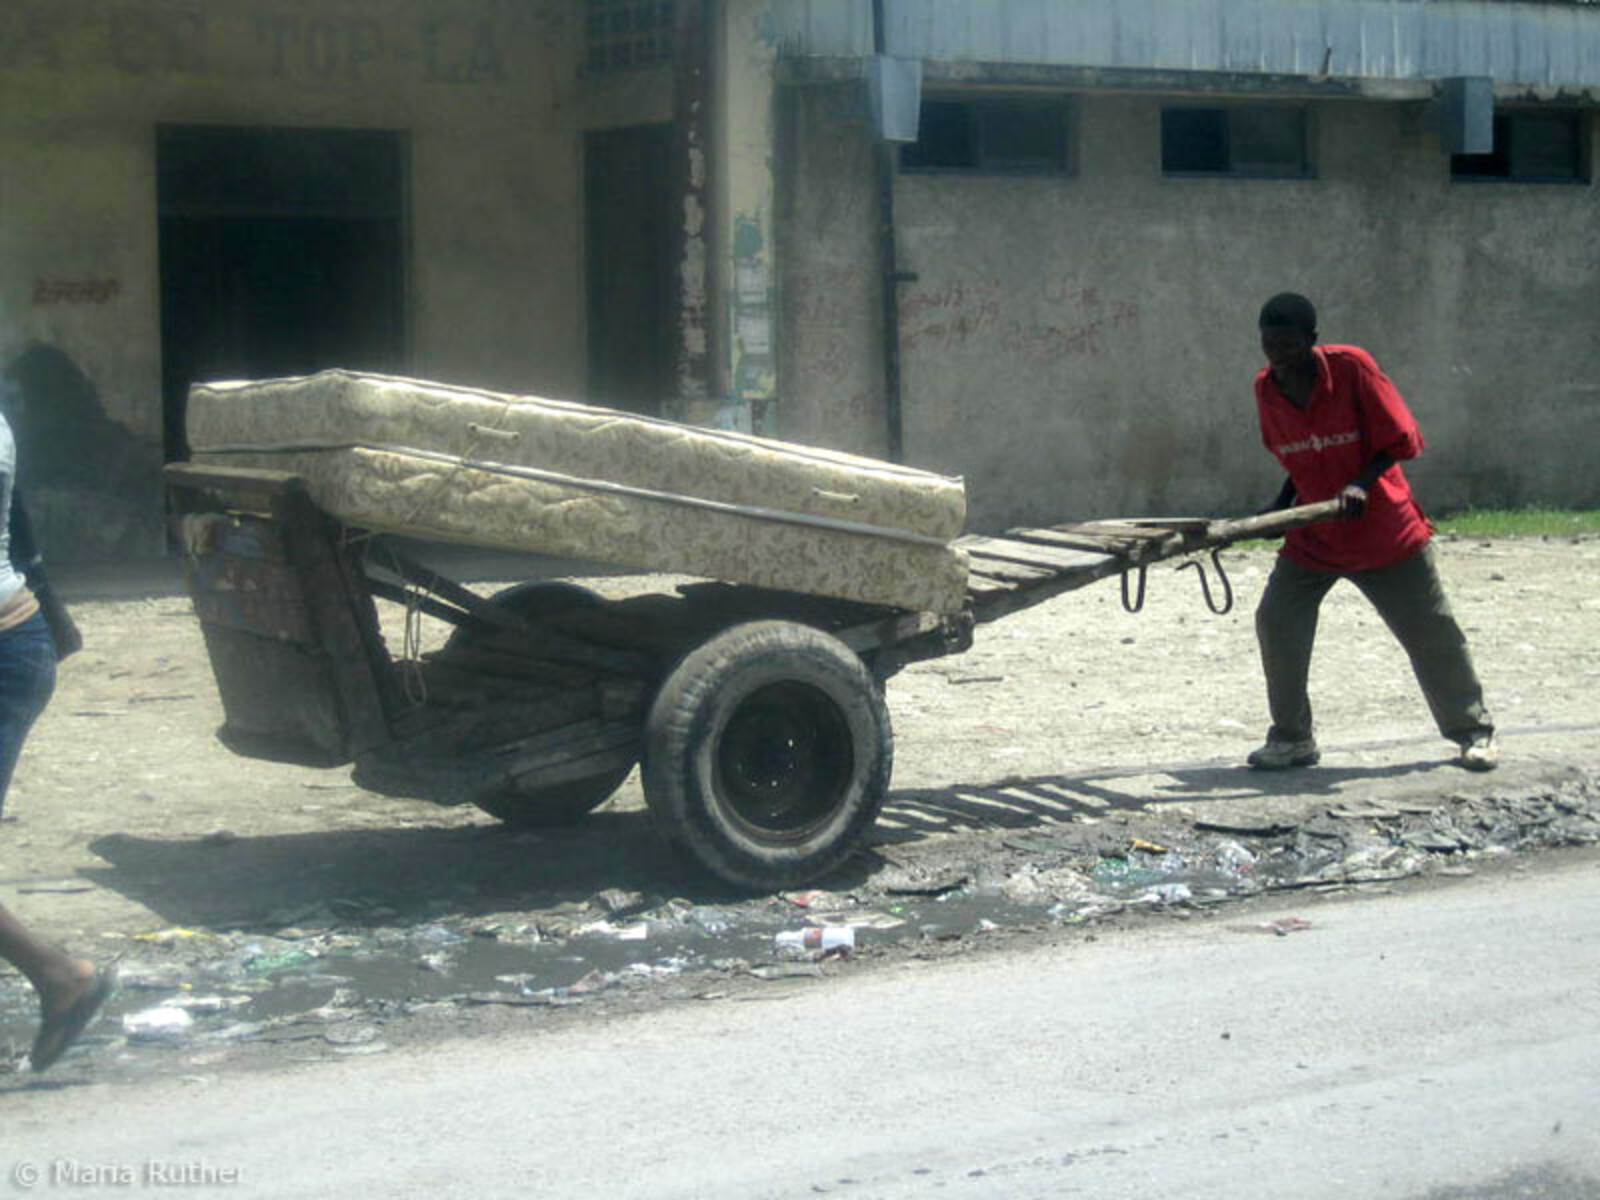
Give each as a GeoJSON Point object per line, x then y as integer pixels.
{"type": "Point", "coordinates": [48, 292]}
{"type": "Point", "coordinates": [949, 315]}
{"type": "Point", "coordinates": [1075, 320]}
{"type": "Point", "coordinates": [442, 48]}
{"type": "Point", "coordinates": [1081, 324]}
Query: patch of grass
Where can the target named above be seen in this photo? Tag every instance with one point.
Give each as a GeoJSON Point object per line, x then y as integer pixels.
{"type": "Point", "coordinates": [1520, 522]}
{"type": "Point", "coordinates": [1494, 523]}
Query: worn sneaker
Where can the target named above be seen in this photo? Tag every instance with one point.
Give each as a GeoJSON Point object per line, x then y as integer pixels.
{"type": "Point", "coordinates": [1277, 755]}
{"type": "Point", "coordinates": [1479, 753]}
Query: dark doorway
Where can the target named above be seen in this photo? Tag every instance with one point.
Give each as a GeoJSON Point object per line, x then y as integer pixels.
{"type": "Point", "coordinates": [281, 254]}
{"type": "Point", "coordinates": [629, 264]}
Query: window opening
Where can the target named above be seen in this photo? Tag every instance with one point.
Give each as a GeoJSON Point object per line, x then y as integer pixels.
{"type": "Point", "coordinates": [281, 254]}
{"type": "Point", "coordinates": [1529, 147]}
{"type": "Point", "coordinates": [997, 136]}
{"type": "Point", "coordinates": [1265, 141]}
{"type": "Point", "coordinates": [625, 35]}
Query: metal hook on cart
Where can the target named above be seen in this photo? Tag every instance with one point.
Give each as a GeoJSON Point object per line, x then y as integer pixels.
{"type": "Point", "coordinates": [1135, 603]}
{"type": "Point", "coordinates": [1205, 586]}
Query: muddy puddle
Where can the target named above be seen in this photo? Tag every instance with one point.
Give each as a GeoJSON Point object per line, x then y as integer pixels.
{"type": "Point", "coordinates": [189, 989]}
{"type": "Point", "coordinates": [333, 980]}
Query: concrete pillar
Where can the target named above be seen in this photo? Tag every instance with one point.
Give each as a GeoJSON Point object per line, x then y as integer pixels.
{"type": "Point", "coordinates": [743, 278]}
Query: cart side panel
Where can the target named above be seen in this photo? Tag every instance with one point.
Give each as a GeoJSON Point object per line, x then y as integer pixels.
{"type": "Point", "coordinates": [289, 625]}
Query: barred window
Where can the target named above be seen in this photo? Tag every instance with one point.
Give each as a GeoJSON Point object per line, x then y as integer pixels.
{"type": "Point", "coordinates": [1534, 146]}
{"type": "Point", "coordinates": [991, 136]}
{"type": "Point", "coordinates": [623, 35]}
{"type": "Point", "coordinates": [1266, 141]}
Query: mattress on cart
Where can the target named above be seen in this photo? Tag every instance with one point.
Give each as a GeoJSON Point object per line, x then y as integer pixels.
{"type": "Point", "coordinates": [553, 477]}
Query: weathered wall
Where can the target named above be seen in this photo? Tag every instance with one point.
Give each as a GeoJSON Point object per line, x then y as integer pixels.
{"type": "Point", "coordinates": [830, 341]}
{"type": "Point", "coordinates": [487, 94]}
{"type": "Point", "coordinates": [1084, 346]}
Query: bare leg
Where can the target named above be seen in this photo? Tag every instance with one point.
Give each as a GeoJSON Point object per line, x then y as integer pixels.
{"type": "Point", "coordinates": [59, 979]}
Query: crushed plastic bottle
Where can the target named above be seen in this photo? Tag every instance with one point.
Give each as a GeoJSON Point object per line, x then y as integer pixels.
{"type": "Point", "coordinates": [1233, 858]}
{"type": "Point", "coordinates": [818, 937]}
{"type": "Point", "coordinates": [1169, 893]}
{"type": "Point", "coordinates": [164, 1023]}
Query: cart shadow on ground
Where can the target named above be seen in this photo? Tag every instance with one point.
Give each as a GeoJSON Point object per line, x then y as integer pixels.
{"type": "Point", "coordinates": [386, 876]}
{"type": "Point", "coordinates": [1015, 802]}
{"type": "Point", "coordinates": [394, 876]}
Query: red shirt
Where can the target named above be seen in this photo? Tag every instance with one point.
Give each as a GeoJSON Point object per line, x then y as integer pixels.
{"type": "Point", "coordinates": [1354, 413]}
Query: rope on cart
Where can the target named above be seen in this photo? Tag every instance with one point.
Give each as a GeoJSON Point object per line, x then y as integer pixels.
{"type": "Point", "coordinates": [408, 667]}
{"type": "Point", "coordinates": [1134, 604]}
{"type": "Point", "coordinates": [1205, 587]}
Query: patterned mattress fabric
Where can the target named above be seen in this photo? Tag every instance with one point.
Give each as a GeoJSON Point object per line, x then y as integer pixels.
{"type": "Point", "coordinates": [551, 477]}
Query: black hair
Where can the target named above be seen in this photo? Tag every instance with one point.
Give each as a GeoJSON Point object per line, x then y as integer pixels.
{"type": "Point", "coordinates": [1288, 310]}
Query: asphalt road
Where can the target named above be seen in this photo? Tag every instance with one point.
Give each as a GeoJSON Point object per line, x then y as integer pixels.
{"type": "Point", "coordinates": [1440, 1043]}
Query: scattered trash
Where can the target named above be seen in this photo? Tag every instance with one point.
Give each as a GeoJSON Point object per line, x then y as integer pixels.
{"type": "Point", "coordinates": [262, 964]}
{"type": "Point", "coordinates": [1147, 847]}
{"type": "Point", "coordinates": [1169, 893]}
{"type": "Point", "coordinates": [164, 1023]}
{"type": "Point", "coordinates": [619, 902]}
{"type": "Point", "coordinates": [803, 899]}
{"type": "Point", "coordinates": [205, 1004]}
{"type": "Point", "coordinates": [166, 937]}
{"type": "Point", "coordinates": [818, 937]}
{"type": "Point", "coordinates": [1234, 858]}
{"type": "Point", "coordinates": [593, 981]}
{"type": "Point", "coordinates": [439, 935]}
{"type": "Point", "coordinates": [638, 931]}
{"type": "Point", "coordinates": [859, 919]}
{"type": "Point", "coordinates": [937, 885]}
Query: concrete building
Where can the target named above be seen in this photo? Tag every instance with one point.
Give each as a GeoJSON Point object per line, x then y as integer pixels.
{"type": "Point", "coordinates": [681, 208]}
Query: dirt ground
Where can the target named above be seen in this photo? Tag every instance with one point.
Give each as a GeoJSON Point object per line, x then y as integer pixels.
{"type": "Point", "coordinates": [1039, 780]}
{"type": "Point", "coordinates": [127, 815]}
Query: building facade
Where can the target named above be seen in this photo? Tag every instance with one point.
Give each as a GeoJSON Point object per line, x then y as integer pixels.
{"type": "Point", "coordinates": [690, 209]}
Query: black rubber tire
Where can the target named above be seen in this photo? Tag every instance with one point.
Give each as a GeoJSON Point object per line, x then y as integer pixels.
{"type": "Point", "coordinates": [558, 804]}
{"type": "Point", "coordinates": [768, 752]}
{"type": "Point", "coordinates": [532, 600]}
{"type": "Point", "coordinates": [562, 803]}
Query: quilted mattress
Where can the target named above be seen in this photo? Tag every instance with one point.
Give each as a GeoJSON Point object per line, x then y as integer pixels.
{"type": "Point", "coordinates": [553, 477]}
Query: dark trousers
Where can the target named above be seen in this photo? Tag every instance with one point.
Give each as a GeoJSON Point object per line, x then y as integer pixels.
{"type": "Point", "coordinates": [27, 678]}
{"type": "Point", "coordinates": [1411, 601]}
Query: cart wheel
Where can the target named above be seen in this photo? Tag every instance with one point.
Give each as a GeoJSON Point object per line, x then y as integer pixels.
{"type": "Point", "coordinates": [532, 600]}
{"type": "Point", "coordinates": [767, 754]}
{"type": "Point", "coordinates": [557, 804]}
{"type": "Point", "coordinates": [560, 803]}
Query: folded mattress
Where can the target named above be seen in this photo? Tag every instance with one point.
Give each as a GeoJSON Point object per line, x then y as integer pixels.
{"type": "Point", "coordinates": [553, 477]}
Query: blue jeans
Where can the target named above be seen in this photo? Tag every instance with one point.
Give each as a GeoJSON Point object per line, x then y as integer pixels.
{"type": "Point", "coordinates": [27, 678]}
